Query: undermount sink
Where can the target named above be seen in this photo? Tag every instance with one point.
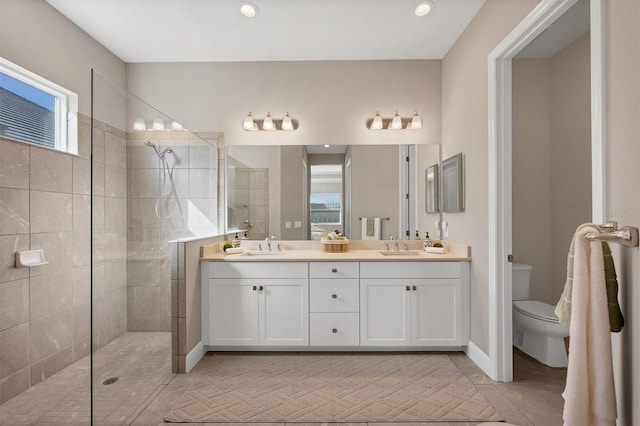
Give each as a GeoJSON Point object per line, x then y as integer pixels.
{"type": "Point", "coordinates": [264, 253]}
{"type": "Point", "coordinates": [400, 253]}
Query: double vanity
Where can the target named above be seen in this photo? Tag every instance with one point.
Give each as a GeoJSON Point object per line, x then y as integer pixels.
{"type": "Point", "coordinates": [302, 298]}
{"type": "Point", "coordinates": [362, 299]}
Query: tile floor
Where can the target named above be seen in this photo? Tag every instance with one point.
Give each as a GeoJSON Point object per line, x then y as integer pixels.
{"type": "Point", "coordinates": [146, 389]}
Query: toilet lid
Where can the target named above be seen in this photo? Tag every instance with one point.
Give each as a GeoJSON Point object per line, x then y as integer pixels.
{"type": "Point", "coordinates": [536, 309]}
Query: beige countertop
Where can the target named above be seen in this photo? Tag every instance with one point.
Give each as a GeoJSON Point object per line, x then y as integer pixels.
{"type": "Point", "coordinates": [359, 251]}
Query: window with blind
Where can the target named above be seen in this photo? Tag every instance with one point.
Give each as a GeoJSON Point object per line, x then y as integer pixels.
{"type": "Point", "coordinates": [37, 111]}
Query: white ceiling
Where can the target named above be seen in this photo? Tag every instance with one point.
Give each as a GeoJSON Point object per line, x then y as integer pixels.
{"type": "Point", "coordinates": [283, 30]}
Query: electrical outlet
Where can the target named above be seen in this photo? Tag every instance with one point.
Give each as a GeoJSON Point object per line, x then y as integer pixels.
{"type": "Point", "coordinates": [287, 224]}
{"type": "Point", "coordinates": [298, 224]}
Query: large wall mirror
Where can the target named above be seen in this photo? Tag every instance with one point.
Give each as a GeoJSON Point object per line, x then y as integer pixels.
{"type": "Point", "coordinates": [298, 192]}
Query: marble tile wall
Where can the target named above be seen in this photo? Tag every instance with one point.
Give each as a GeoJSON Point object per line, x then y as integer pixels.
{"type": "Point", "coordinates": [152, 224]}
{"type": "Point", "coordinates": [45, 198]}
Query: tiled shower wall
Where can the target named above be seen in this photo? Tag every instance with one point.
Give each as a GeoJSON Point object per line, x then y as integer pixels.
{"type": "Point", "coordinates": [194, 162]}
{"type": "Point", "coordinates": [45, 204]}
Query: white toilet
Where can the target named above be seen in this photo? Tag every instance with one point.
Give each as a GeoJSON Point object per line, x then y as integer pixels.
{"type": "Point", "coordinates": [536, 330]}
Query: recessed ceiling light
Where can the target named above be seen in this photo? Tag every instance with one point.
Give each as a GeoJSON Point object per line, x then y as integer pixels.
{"type": "Point", "coordinates": [248, 10]}
{"type": "Point", "coordinates": [424, 8]}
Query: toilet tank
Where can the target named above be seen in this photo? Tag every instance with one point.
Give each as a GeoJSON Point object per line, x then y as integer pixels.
{"type": "Point", "coordinates": [521, 279]}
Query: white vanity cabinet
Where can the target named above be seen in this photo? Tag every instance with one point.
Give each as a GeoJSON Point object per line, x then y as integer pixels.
{"type": "Point", "coordinates": [334, 304]}
{"type": "Point", "coordinates": [256, 304]}
{"type": "Point", "coordinates": [414, 304]}
{"type": "Point", "coordinates": [346, 305]}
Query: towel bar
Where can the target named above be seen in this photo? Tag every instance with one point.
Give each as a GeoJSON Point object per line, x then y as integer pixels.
{"type": "Point", "coordinates": [627, 236]}
{"type": "Point", "coordinates": [382, 218]}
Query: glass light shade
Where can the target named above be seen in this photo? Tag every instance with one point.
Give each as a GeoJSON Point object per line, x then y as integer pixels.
{"type": "Point", "coordinates": [176, 126]}
{"type": "Point", "coordinates": [376, 124]}
{"type": "Point", "coordinates": [267, 124]}
{"type": "Point", "coordinates": [416, 121]}
{"type": "Point", "coordinates": [139, 124]}
{"type": "Point", "coordinates": [396, 123]}
{"type": "Point", "coordinates": [287, 124]}
{"type": "Point", "coordinates": [158, 124]}
{"type": "Point", "coordinates": [248, 123]}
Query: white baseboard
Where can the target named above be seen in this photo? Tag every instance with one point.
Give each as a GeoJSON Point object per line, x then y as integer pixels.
{"type": "Point", "coordinates": [481, 359]}
{"type": "Point", "coordinates": [194, 356]}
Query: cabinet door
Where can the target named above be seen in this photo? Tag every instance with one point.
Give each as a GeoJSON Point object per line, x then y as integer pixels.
{"type": "Point", "coordinates": [284, 312]}
{"type": "Point", "coordinates": [233, 316]}
{"type": "Point", "coordinates": [435, 319]}
{"type": "Point", "coordinates": [385, 312]}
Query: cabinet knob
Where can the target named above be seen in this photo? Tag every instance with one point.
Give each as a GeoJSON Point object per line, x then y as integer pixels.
{"type": "Point", "coordinates": [334, 330]}
{"type": "Point", "coordinates": [334, 296]}
{"type": "Point", "coordinates": [334, 270]}
{"type": "Point", "coordinates": [261, 288]}
{"type": "Point", "coordinates": [415, 288]}
{"type": "Point", "coordinates": [255, 287]}
{"type": "Point", "coordinates": [408, 288]}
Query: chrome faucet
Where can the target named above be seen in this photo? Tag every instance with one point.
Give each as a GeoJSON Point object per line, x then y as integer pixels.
{"type": "Point", "coordinates": [395, 245]}
{"type": "Point", "coordinates": [268, 241]}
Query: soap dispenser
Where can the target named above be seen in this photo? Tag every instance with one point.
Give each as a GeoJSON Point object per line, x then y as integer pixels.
{"type": "Point", "coordinates": [417, 235]}
{"type": "Point", "coordinates": [427, 242]}
{"type": "Point", "coordinates": [245, 236]}
{"type": "Point", "coordinates": [236, 241]}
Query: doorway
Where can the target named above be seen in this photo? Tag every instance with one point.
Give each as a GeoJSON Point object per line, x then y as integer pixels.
{"type": "Point", "coordinates": [500, 165]}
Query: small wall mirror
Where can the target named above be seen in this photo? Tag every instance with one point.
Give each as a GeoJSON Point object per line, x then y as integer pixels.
{"type": "Point", "coordinates": [432, 204]}
{"type": "Point", "coordinates": [453, 184]}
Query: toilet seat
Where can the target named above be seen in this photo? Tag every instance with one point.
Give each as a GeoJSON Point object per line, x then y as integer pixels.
{"type": "Point", "coordinates": [536, 309]}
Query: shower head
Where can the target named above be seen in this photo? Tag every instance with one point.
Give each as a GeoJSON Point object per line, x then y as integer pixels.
{"type": "Point", "coordinates": [161, 154]}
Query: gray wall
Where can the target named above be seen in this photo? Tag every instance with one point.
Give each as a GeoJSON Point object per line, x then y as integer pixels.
{"type": "Point", "coordinates": [551, 162]}
{"type": "Point", "coordinates": [44, 203]}
{"type": "Point", "coordinates": [464, 129]}
{"type": "Point", "coordinates": [331, 99]}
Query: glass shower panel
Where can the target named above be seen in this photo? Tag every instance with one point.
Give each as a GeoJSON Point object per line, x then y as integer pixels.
{"type": "Point", "coordinates": [153, 182]}
{"type": "Point", "coordinates": [247, 199]}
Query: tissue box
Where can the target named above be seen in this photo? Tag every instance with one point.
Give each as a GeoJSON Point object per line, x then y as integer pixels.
{"type": "Point", "coordinates": [334, 246]}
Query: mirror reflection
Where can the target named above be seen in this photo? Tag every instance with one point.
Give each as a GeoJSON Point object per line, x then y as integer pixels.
{"type": "Point", "coordinates": [453, 184]}
{"type": "Point", "coordinates": [432, 204]}
{"type": "Point", "coordinates": [300, 192]}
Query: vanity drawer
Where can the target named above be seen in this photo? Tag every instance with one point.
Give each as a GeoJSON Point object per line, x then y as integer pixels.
{"type": "Point", "coordinates": [339, 295]}
{"type": "Point", "coordinates": [334, 270]}
{"type": "Point", "coordinates": [339, 329]}
{"type": "Point", "coordinates": [410, 270]}
{"type": "Point", "coordinates": [258, 270]}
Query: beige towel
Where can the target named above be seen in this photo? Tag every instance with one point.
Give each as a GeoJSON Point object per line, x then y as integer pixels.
{"type": "Point", "coordinates": [563, 308]}
{"type": "Point", "coordinates": [366, 228]}
{"type": "Point", "coordinates": [589, 393]}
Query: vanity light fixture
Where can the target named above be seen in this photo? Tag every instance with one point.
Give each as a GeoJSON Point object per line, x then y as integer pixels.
{"type": "Point", "coordinates": [248, 10]}
{"type": "Point", "coordinates": [395, 123]}
{"type": "Point", "coordinates": [376, 123]}
{"type": "Point", "coordinates": [287, 124]}
{"type": "Point", "coordinates": [267, 124]}
{"type": "Point", "coordinates": [248, 123]}
{"type": "Point", "coordinates": [270, 124]}
{"type": "Point", "coordinates": [158, 124]}
{"type": "Point", "coordinates": [424, 8]}
{"type": "Point", "coordinates": [176, 126]}
{"type": "Point", "coordinates": [139, 124]}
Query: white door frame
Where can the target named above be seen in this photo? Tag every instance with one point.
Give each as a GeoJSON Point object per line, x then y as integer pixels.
{"type": "Point", "coordinates": [500, 200]}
